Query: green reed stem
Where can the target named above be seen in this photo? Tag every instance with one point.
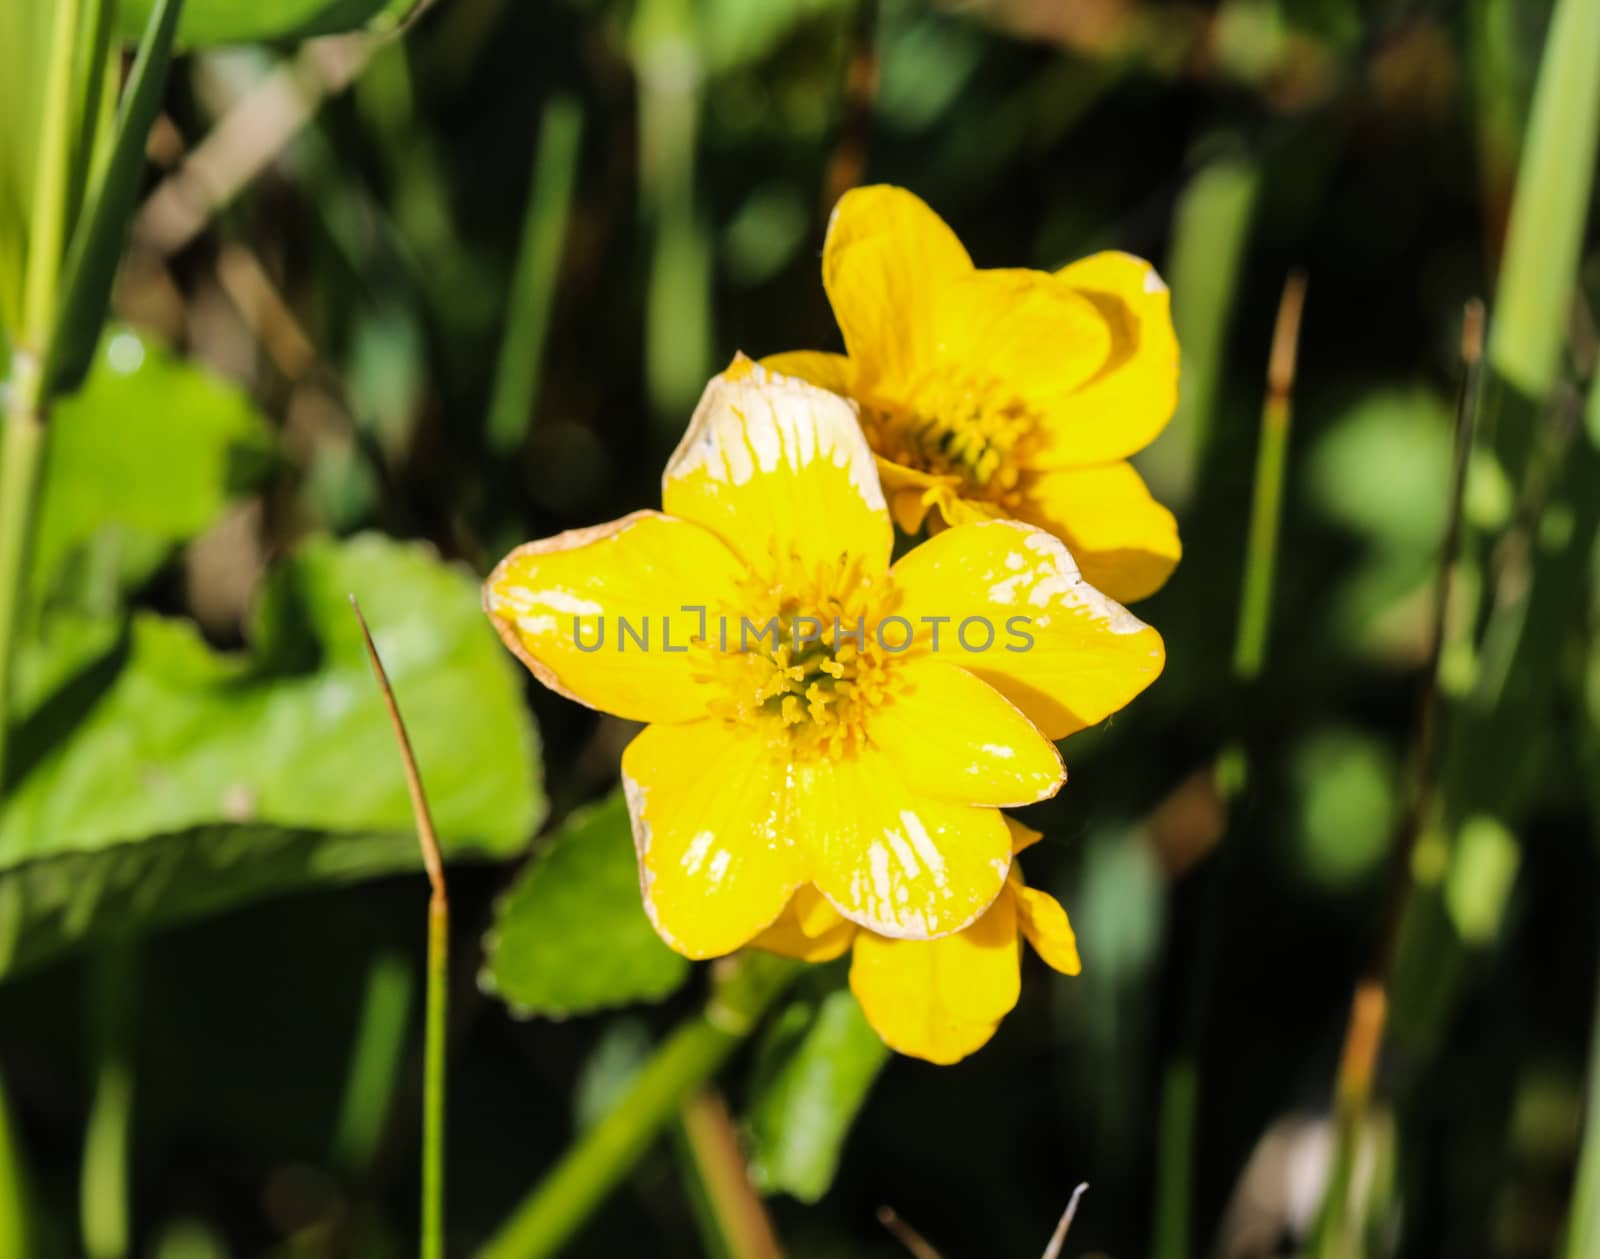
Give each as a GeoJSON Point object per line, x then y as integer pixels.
{"type": "Point", "coordinates": [22, 449]}
{"type": "Point", "coordinates": [1180, 1104]}
{"type": "Point", "coordinates": [1266, 504]}
{"type": "Point", "coordinates": [1210, 236]}
{"type": "Point", "coordinates": [104, 1184]}
{"type": "Point", "coordinates": [15, 1207]}
{"type": "Point", "coordinates": [1368, 1023]}
{"type": "Point", "coordinates": [1551, 204]}
{"type": "Point", "coordinates": [438, 985]}
{"type": "Point", "coordinates": [48, 225]}
{"type": "Point", "coordinates": [533, 282]}
{"type": "Point", "coordinates": [1583, 1227]}
{"type": "Point", "coordinates": [603, 1155]}
{"type": "Point", "coordinates": [1180, 1093]}
{"type": "Point", "coordinates": [22, 443]}
{"type": "Point", "coordinates": [375, 1061]}
{"type": "Point", "coordinates": [433, 1076]}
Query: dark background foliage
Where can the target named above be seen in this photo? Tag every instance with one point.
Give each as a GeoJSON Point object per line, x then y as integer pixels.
{"type": "Point", "coordinates": [359, 290]}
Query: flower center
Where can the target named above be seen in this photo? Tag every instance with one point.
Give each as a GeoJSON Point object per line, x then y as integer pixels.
{"type": "Point", "coordinates": [801, 659]}
{"type": "Point", "coordinates": [955, 425]}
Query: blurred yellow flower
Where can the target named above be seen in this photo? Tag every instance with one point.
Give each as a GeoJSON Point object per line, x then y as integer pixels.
{"type": "Point", "coordinates": [795, 738]}
{"type": "Point", "coordinates": [1003, 393]}
{"type": "Point", "coordinates": [943, 999]}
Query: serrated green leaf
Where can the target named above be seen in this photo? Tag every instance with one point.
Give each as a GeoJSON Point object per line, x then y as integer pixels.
{"type": "Point", "coordinates": [802, 1114]}
{"type": "Point", "coordinates": [146, 455]}
{"type": "Point", "coordinates": [571, 935]}
{"type": "Point", "coordinates": [201, 779]}
{"type": "Point", "coordinates": [97, 240]}
{"type": "Point", "coordinates": [207, 23]}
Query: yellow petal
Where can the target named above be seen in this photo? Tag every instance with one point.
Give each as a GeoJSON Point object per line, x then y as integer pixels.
{"type": "Point", "coordinates": [1021, 837]}
{"type": "Point", "coordinates": [890, 860]}
{"type": "Point", "coordinates": [913, 493]}
{"type": "Point", "coordinates": [909, 507]}
{"type": "Point", "coordinates": [712, 830]}
{"type": "Point", "coordinates": [833, 372]}
{"type": "Point", "coordinates": [940, 999]}
{"type": "Point", "coordinates": [957, 738]}
{"type": "Point", "coordinates": [1026, 330]}
{"type": "Point", "coordinates": [1133, 396]}
{"type": "Point", "coordinates": [1064, 653]}
{"type": "Point", "coordinates": [885, 260]}
{"type": "Point", "coordinates": [809, 929]}
{"type": "Point", "coordinates": [564, 606]}
{"type": "Point", "coordinates": [779, 469]}
{"type": "Point", "coordinates": [1125, 543]}
{"type": "Point", "coordinates": [1045, 924]}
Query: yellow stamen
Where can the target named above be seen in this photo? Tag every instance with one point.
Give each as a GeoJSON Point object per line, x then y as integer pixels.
{"type": "Point", "coordinates": [801, 658]}
{"type": "Point", "coordinates": [954, 424]}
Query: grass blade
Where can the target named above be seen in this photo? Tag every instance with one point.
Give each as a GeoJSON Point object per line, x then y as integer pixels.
{"type": "Point", "coordinates": [104, 1182]}
{"type": "Point", "coordinates": [533, 286]}
{"type": "Point", "coordinates": [1551, 204]}
{"type": "Point", "coordinates": [1266, 506]}
{"type": "Point", "coordinates": [438, 986]}
{"type": "Point", "coordinates": [14, 1196]}
{"type": "Point", "coordinates": [91, 263]}
{"type": "Point", "coordinates": [1204, 267]}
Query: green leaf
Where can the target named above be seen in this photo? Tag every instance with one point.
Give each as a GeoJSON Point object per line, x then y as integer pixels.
{"type": "Point", "coordinates": [802, 1113]}
{"type": "Point", "coordinates": [207, 23]}
{"type": "Point", "coordinates": [147, 455]}
{"type": "Point", "coordinates": [571, 935]}
{"type": "Point", "coordinates": [97, 241]}
{"type": "Point", "coordinates": [200, 780]}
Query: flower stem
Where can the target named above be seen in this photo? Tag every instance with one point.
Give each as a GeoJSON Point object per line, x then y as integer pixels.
{"type": "Point", "coordinates": [733, 1220]}
{"type": "Point", "coordinates": [601, 1157]}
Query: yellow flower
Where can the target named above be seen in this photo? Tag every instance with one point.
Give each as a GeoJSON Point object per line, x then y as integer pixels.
{"type": "Point", "coordinates": [1005, 393]}
{"type": "Point", "coordinates": [794, 738]}
{"type": "Point", "coordinates": [936, 999]}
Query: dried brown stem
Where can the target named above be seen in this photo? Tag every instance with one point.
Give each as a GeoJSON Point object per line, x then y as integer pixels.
{"type": "Point", "coordinates": [907, 1236]}
{"type": "Point", "coordinates": [1059, 1237]}
{"type": "Point", "coordinates": [431, 860]}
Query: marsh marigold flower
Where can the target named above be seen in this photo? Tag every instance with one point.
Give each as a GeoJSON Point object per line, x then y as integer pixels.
{"type": "Point", "coordinates": [1002, 393]}
{"type": "Point", "coordinates": [942, 999]}
{"type": "Point", "coordinates": [830, 753]}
